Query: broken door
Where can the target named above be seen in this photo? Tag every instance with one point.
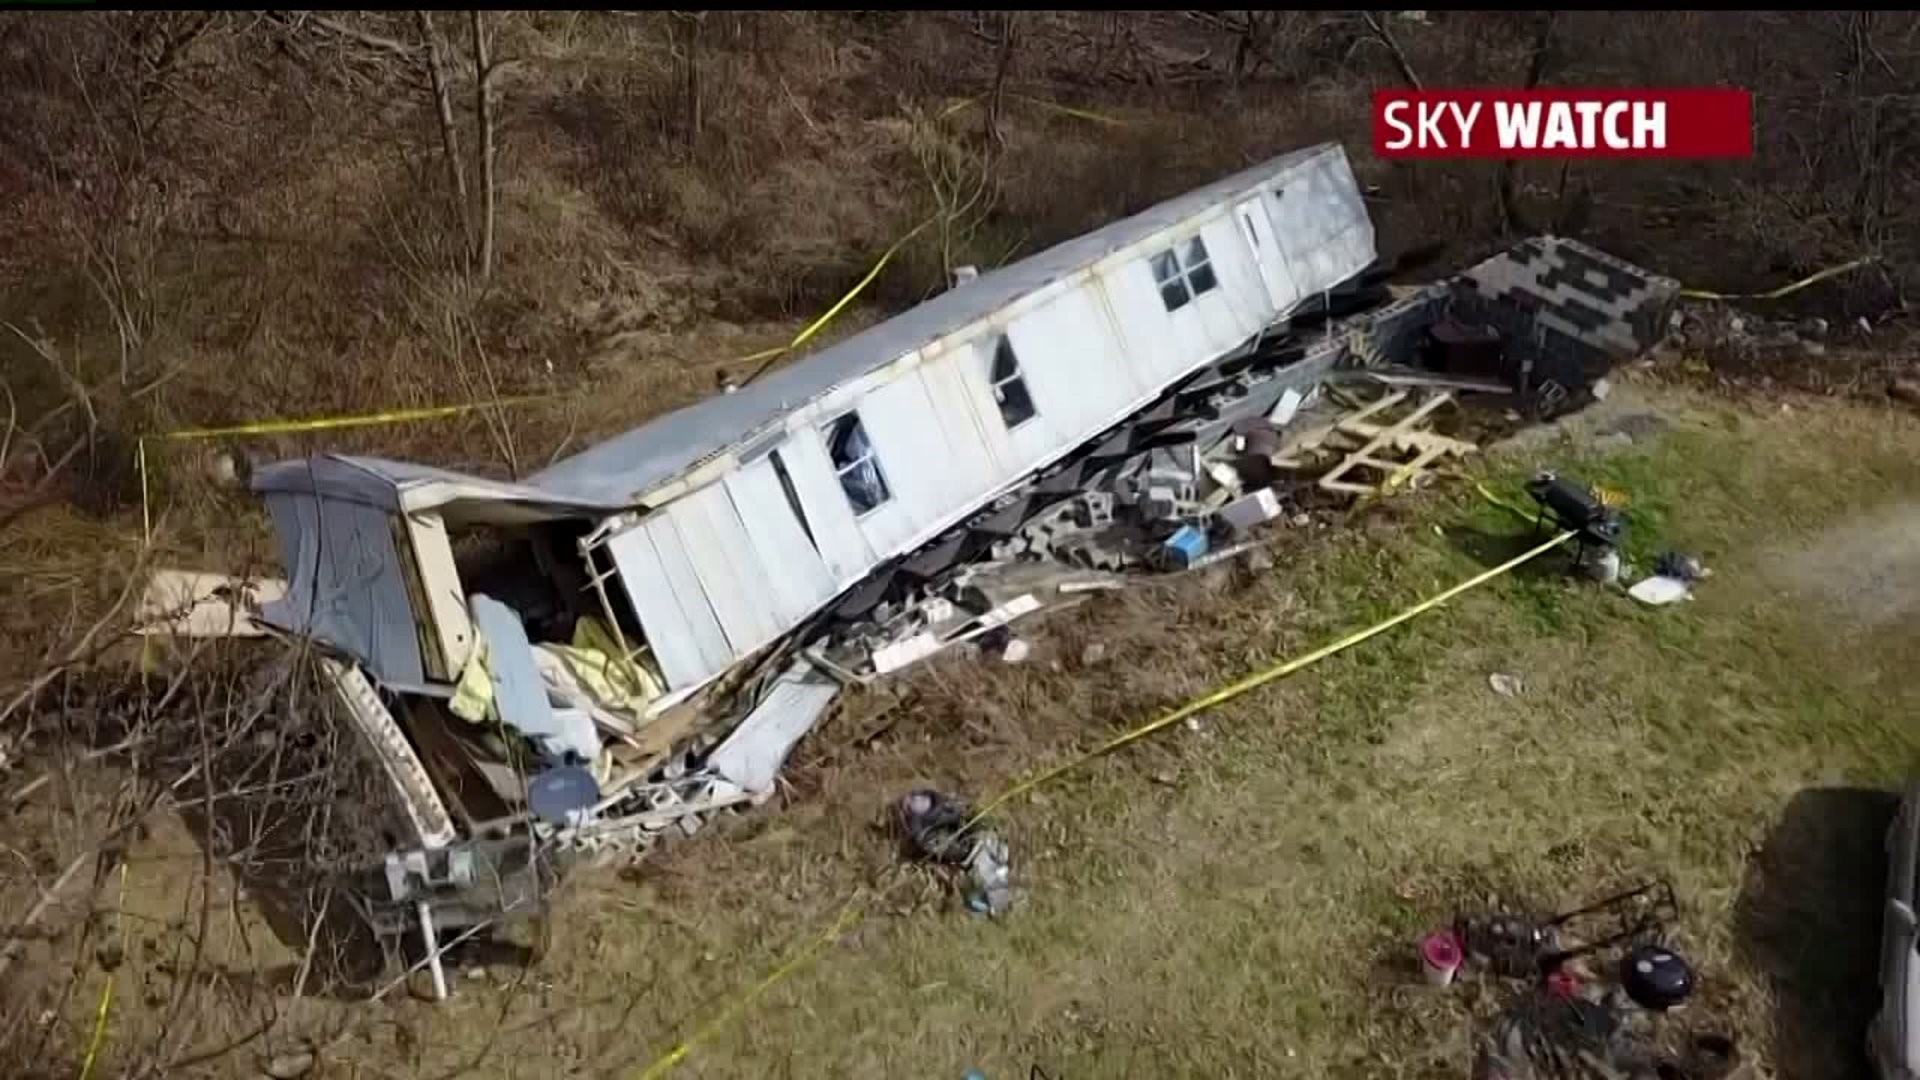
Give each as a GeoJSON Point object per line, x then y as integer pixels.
{"type": "Point", "coordinates": [1257, 228]}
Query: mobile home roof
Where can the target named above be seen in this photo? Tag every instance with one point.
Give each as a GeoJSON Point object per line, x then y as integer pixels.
{"type": "Point", "coordinates": [624, 468]}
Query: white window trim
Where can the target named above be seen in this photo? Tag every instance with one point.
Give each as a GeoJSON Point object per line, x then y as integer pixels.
{"type": "Point", "coordinates": [872, 455]}
{"type": "Point", "coordinates": [1185, 272]}
{"type": "Point", "coordinates": [1019, 376]}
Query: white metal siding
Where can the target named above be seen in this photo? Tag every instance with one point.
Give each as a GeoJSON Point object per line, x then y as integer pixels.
{"type": "Point", "coordinates": [1316, 213]}
{"type": "Point", "coordinates": [799, 578]}
{"type": "Point", "coordinates": [842, 546]}
{"type": "Point", "coordinates": [1148, 333]}
{"type": "Point", "coordinates": [905, 429]}
{"type": "Point", "coordinates": [673, 611]}
{"type": "Point", "coordinates": [968, 366]}
{"type": "Point", "coordinates": [1256, 222]}
{"type": "Point", "coordinates": [1076, 370]}
{"type": "Point", "coordinates": [1247, 306]}
{"type": "Point", "coordinates": [1089, 356]}
{"type": "Point", "coordinates": [737, 586]}
{"type": "Point", "coordinates": [955, 381]}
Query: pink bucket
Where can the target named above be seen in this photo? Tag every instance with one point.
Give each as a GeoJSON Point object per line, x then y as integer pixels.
{"type": "Point", "coordinates": [1441, 956]}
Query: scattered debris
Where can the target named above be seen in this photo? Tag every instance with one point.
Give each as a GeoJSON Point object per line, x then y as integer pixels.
{"type": "Point", "coordinates": [1362, 441]}
{"type": "Point", "coordinates": [1577, 508]}
{"type": "Point", "coordinates": [634, 639]}
{"type": "Point", "coordinates": [1286, 408]}
{"type": "Point", "coordinates": [937, 829]}
{"type": "Point", "coordinates": [1570, 1017]}
{"type": "Point", "coordinates": [198, 604]}
{"type": "Point", "coordinates": [753, 754]}
{"type": "Point", "coordinates": [1658, 590]}
{"type": "Point", "coordinates": [291, 1066]}
{"type": "Point", "coordinates": [1681, 566]}
{"type": "Point", "coordinates": [1441, 957]}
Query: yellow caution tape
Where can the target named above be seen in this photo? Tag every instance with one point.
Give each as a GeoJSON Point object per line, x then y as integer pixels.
{"type": "Point", "coordinates": [963, 103]}
{"type": "Point", "coordinates": [146, 504]}
{"type": "Point", "coordinates": [1784, 290]}
{"type": "Point", "coordinates": [441, 412]}
{"type": "Point", "coordinates": [1261, 678]}
{"type": "Point", "coordinates": [851, 912]}
{"type": "Point", "coordinates": [1609, 497]}
{"type": "Point", "coordinates": [312, 423]}
{"type": "Point", "coordinates": [849, 915]}
{"type": "Point", "coordinates": [334, 423]}
{"type": "Point", "coordinates": [1068, 110]}
{"type": "Point", "coordinates": [106, 992]}
{"type": "Point", "coordinates": [819, 324]}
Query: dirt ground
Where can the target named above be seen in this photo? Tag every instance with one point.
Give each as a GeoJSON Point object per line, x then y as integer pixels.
{"type": "Point", "coordinates": [1238, 897]}
{"type": "Point", "coordinates": [1865, 570]}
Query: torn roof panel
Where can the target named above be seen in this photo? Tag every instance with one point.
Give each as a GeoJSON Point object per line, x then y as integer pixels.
{"type": "Point", "coordinates": [405, 487]}
{"type": "Point", "coordinates": [623, 469]}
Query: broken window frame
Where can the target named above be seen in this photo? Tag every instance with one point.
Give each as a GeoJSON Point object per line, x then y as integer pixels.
{"type": "Point", "coordinates": [1183, 272]}
{"type": "Point", "coordinates": [1010, 392]}
{"type": "Point", "coordinates": [433, 658]}
{"type": "Point", "coordinates": [792, 493]}
{"type": "Point", "coordinates": [837, 433]}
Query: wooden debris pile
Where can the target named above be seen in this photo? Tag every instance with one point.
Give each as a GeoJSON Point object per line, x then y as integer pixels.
{"type": "Point", "coordinates": [1377, 447]}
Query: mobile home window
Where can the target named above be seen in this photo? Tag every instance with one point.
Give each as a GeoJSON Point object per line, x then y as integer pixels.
{"type": "Point", "coordinates": [856, 464]}
{"type": "Point", "coordinates": [1183, 272]}
{"type": "Point", "coordinates": [1009, 386]}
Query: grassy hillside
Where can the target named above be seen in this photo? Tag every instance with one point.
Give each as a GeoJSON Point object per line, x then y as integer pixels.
{"type": "Point", "coordinates": [210, 219]}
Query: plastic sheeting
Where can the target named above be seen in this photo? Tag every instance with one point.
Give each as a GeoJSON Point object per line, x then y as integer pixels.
{"type": "Point", "coordinates": [345, 585]}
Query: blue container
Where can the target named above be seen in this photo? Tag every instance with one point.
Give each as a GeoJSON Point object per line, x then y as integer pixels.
{"type": "Point", "coordinates": [1185, 546]}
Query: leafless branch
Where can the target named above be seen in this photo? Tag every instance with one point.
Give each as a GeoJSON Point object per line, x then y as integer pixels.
{"type": "Point", "coordinates": [483, 72]}
{"type": "Point", "coordinates": [1513, 221]}
{"type": "Point", "coordinates": [336, 28]}
{"type": "Point", "coordinates": [1385, 37]}
{"type": "Point", "coordinates": [1003, 63]}
{"type": "Point", "coordinates": [449, 133]}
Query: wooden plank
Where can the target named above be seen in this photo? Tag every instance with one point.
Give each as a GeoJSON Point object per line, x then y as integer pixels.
{"type": "Point", "coordinates": [1313, 437]}
{"type": "Point", "coordinates": [1364, 456]}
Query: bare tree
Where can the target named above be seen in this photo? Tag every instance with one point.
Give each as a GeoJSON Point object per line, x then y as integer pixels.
{"type": "Point", "coordinates": [1003, 63]}
{"type": "Point", "coordinates": [1512, 220]}
{"type": "Point", "coordinates": [962, 182]}
{"type": "Point", "coordinates": [688, 51]}
{"type": "Point", "coordinates": [449, 131]}
{"type": "Point", "coordinates": [1386, 38]}
{"type": "Point", "coordinates": [483, 73]}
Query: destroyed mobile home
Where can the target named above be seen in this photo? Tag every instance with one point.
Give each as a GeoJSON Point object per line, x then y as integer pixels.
{"type": "Point", "coordinates": [679, 605]}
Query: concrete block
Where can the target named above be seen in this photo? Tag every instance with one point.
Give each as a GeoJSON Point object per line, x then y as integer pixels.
{"type": "Point", "coordinates": [1251, 509]}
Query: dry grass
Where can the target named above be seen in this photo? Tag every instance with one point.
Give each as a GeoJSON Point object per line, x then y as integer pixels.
{"type": "Point", "coordinates": [277, 213]}
{"type": "Point", "coordinates": [1240, 899]}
